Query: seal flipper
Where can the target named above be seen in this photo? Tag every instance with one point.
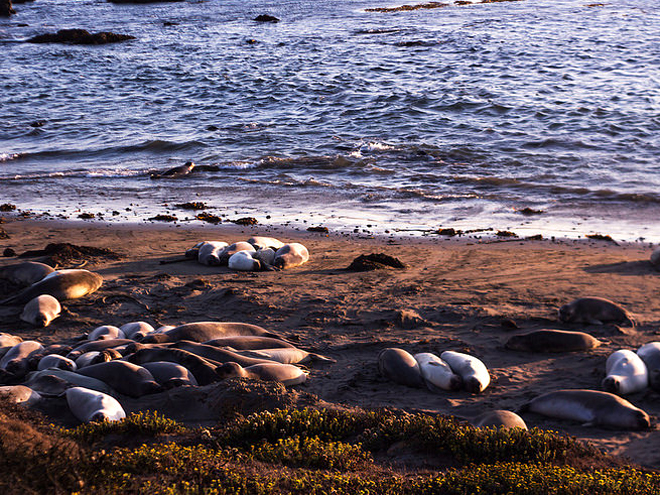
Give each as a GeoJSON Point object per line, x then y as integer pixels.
{"type": "Point", "coordinates": [319, 357]}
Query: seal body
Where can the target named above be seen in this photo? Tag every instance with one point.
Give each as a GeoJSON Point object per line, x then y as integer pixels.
{"type": "Point", "coordinates": [655, 258]}
{"type": "Point", "coordinates": [594, 311]}
{"type": "Point", "coordinates": [7, 341]}
{"type": "Point", "coordinates": [244, 262]}
{"type": "Point", "coordinates": [209, 252]}
{"type": "Point", "coordinates": [72, 378]}
{"type": "Point", "coordinates": [26, 273]}
{"type": "Point", "coordinates": [400, 366]}
{"type": "Point", "coordinates": [217, 354]}
{"type": "Point", "coordinates": [626, 373]}
{"type": "Point", "coordinates": [208, 330]}
{"type": "Point", "coordinates": [437, 373]}
{"type": "Point", "coordinates": [106, 332]}
{"type": "Point", "coordinates": [97, 345]}
{"type": "Point", "coordinates": [286, 374]}
{"type": "Point", "coordinates": [16, 360]}
{"type": "Point", "coordinates": [286, 355]}
{"type": "Point", "coordinates": [202, 369]}
{"type": "Point", "coordinates": [175, 172]}
{"type": "Point", "coordinates": [19, 394]}
{"type": "Point", "coordinates": [260, 243]}
{"type": "Point", "coordinates": [591, 407]}
{"type": "Point", "coordinates": [473, 372]}
{"type": "Point", "coordinates": [552, 341]}
{"type": "Point", "coordinates": [41, 310]}
{"type": "Point", "coordinates": [499, 419]}
{"type": "Point", "coordinates": [170, 375]}
{"type": "Point", "coordinates": [232, 249]}
{"type": "Point", "coordinates": [136, 330]}
{"type": "Point", "coordinates": [56, 361]}
{"type": "Point", "coordinates": [126, 378]}
{"type": "Point", "coordinates": [90, 405]}
{"type": "Point", "coordinates": [249, 342]}
{"type": "Point", "coordinates": [650, 354]}
{"type": "Point", "coordinates": [266, 257]}
{"type": "Point", "coordinates": [62, 285]}
{"type": "Point", "coordinates": [291, 255]}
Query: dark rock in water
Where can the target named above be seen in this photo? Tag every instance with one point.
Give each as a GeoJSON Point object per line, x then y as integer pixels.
{"type": "Point", "coordinates": [374, 261]}
{"type": "Point", "coordinates": [164, 218]}
{"type": "Point", "coordinates": [80, 37]}
{"type": "Point", "coordinates": [38, 123]}
{"type": "Point", "coordinates": [193, 205]}
{"type": "Point", "coordinates": [208, 217]}
{"type": "Point", "coordinates": [321, 229]}
{"type": "Point", "coordinates": [266, 18]}
{"type": "Point", "coordinates": [6, 9]}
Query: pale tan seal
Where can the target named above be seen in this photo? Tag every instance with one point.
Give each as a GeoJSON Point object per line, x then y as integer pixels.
{"type": "Point", "coordinates": [473, 372]}
{"type": "Point", "coordinates": [7, 341]}
{"type": "Point", "coordinates": [62, 285]}
{"type": "Point", "coordinates": [170, 375]}
{"type": "Point", "coordinates": [625, 372]}
{"type": "Point", "coordinates": [650, 354]}
{"type": "Point", "coordinates": [286, 374]}
{"type": "Point", "coordinates": [26, 273]}
{"type": "Point", "coordinates": [498, 418]}
{"type": "Point", "coordinates": [97, 345]}
{"type": "Point", "coordinates": [106, 332]}
{"type": "Point", "coordinates": [260, 242]}
{"type": "Point", "coordinates": [126, 378]}
{"type": "Point", "coordinates": [437, 373]}
{"type": "Point", "coordinates": [249, 342]}
{"type": "Point", "coordinates": [136, 329]}
{"type": "Point", "coordinates": [290, 255]}
{"type": "Point", "coordinates": [400, 367]}
{"type": "Point", "coordinates": [590, 407]}
{"type": "Point", "coordinates": [41, 310]}
{"type": "Point", "coordinates": [243, 261]}
{"type": "Point", "coordinates": [208, 253]}
{"type": "Point", "coordinates": [594, 311]}
{"type": "Point", "coordinates": [208, 330]}
{"type": "Point", "coordinates": [548, 340]}
{"type": "Point", "coordinates": [90, 405]}
{"type": "Point", "coordinates": [288, 355]}
{"type": "Point", "coordinates": [227, 252]}
{"type": "Point", "coordinates": [56, 361]}
{"type": "Point", "coordinates": [16, 360]}
{"type": "Point", "coordinates": [19, 394]}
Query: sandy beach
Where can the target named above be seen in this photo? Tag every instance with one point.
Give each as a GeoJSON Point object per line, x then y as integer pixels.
{"type": "Point", "coordinates": [455, 294]}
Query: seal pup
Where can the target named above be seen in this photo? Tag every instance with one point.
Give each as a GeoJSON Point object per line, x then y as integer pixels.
{"type": "Point", "coordinates": [26, 273]}
{"type": "Point", "coordinates": [655, 258]}
{"type": "Point", "coordinates": [70, 377]}
{"type": "Point", "coordinates": [209, 252]}
{"type": "Point", "coordinates": [90, 405]}
{"type": "Point", "coordinates": [7, 341]}
{"type": "Point", "coordinates": [19, 394]}
{"type": "Point", "coordinates": [547, 340]}
{"type": "Point", "coordinates": [290, 255]}
{"type": "Point", "coordinates": [243, 261]}
{"type": "Point", "coordinates": [16, 361]}
{"type": "Point", "coordinates": [249, 342]}
{"type": "Point", "coordinates": [106, 332]}
{"type": "Point", "coordinates": [286, 374]}
{"type": "Point", "coordinates": [287, 355]}
{"type": "Point", "coordinates": [594, 311]}
{"type": "Point", "coordinates": [126, 378]}
{"type": "Point", "coordinates": [498, 418]}
{"type": "Point", "coordinates": [136, 330]}
{"type": "Point", "coordinates": [208, 330]}
{"type": "Point", "coordinates": [626, 373]}
{"type": "Point", "coordinates": [41, 310]}
{"type": "Point", "coordinates": [56, 361]}
{"type": "Point", "coordinates": [400, 367]}
{"type": "Point", "coordinates": [590, 407]}
{"type": "Point", "coordinates": [202, 369]}
{"type": "Point", "coordinates": [473, 372]}
{"type": "Point", "coordinates": [62, 285]}
{"type": "Point", "coordinates": [260, 242]}
{"type": "Point", "coordinates": [175, 172]}
{"type": "Point", "coordinates": [437, 374]}
{"type": "Point", "coordinates": [650, 354]}
{"type": "Point", "coordinates": [170, 375]}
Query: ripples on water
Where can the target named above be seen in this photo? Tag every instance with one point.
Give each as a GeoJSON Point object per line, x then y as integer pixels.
{"type": "Point", "coordinates": [456, 116]}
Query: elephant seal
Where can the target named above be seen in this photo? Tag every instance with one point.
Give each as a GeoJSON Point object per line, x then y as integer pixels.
{"type": "Point", "coordinates": [547, 340]}
{"type": "Point", "coordinates": [41, 310]}
{"type": "Point", "coordinates": [436, 373]}
{"type": "Point", "coordinates": [97, 345]}
{"type": "Point", "coordinates": [209, 252]}
{"type": "Point", "coordinates": [650, 354]}
{"type": "Point", "coordinates": [202, 369]}
{"type": "Point", "coordinates": [286, 374]}
{"type": "Point", "coordinates": [217, 354]}
{"type": "Point", "coordinates": [87, 359]}
{"type": "Point", "coordinates": [175, 172]}
{"type": "Point", "coordinates": [626, 373]}
{"type": "Point", "coordinates": [106, 332]}
{"type": "Point", "coordinates": [594, 311]}
{"type": "Point", "coordinates": [473, 372]}
{"type": "Point", "coordinates": [229, 251]}
{"type": "Point", "coordinates": [590, 407]}
{"type": "Point", "coordinates": [288, 355]}
{"type": "Point", "coordinates": [249, 342]}
{"type": "Point", "coordinates": [62, 285]}
{"type": "Point", "coordinates": [19, 394]}
{"type": "Point", "coordinates": [193, 252]}
{"type": "Point", "coordinates": [260, 243]}
{"type": "Point", "coordinates": [655, 258]}
{"type": "Point", "coordinates": [70, 377]}
{"type": "Point", "coordinates": [243, 261]}
{"type": "Point", "coordinates": [126, 378]}
{"type": "Point", "coordinates": [16, 361]}
{"type": "Point", "coordinates": [400, 367]}
{"type": "Point", "coordinates": [290, 255]}
{"type": "Point", "coordinates": [136, 330]}
{"type": "Point", "coordinates": [170, 375]}
{"type": "Point", "coordinates": [90, 405]}
{"type": "Point", "coordinates": [499, 419]}
{"type": "Point", "coordinates": [26, 273]}
{"type": "Point", "coordinates": [266, 257]}
{"type": "Point", "coordinates": [7, 341]}
{"type": "Point", "coordinates": [56, 361]}
{"type": "Point", "coordinates": [208, 330]}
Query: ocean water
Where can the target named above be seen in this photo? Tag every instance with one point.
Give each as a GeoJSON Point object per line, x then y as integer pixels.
{"type": "Point", "coordinates": [401, 121]}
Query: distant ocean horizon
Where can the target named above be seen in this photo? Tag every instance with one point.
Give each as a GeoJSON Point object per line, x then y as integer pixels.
{"type": "Point", "coordinates": [531, 116]}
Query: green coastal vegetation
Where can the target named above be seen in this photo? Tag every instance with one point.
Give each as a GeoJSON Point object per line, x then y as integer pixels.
{"type": "Point", "coordinates": [304, 451]}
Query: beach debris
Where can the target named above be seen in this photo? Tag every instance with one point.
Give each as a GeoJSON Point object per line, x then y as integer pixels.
{"type": "Point", "coordinates": [506, 233]}
{"type": "Point", "coordinates": [402, 8]}
{"type": "Point", "coordinates": [7, 207]}
{"type": "Point", "coordinates": [3, 234]}
{"type": "Point", "coordinates": [245, 221]}
{"type": "Point", "coordinates": [8, 252]}
{"type": "Point", "coordinates": [509, 324]}
{"type": "Point", "coordinates": [195, 205]}
{"type": "Point", "coordinates": [266, 18]}
{"type": "Point", "coordinates": [601, 237]}
{"type": "Point", "coordinates": [209, 218]}
{"type": "Point", "coordinates": [529, 211]}
{"type": "Point", "coordinates": [86, 216]}
{"type": "Point", "coordinates": [450, 232]}
{"type": "Point", "coordinates": [374, 261]}
{"type": "Point", "coordinates": [80, 37]}
{"type": "Point", "coordinates": [625, 372]}
{"type": "Point", "coordinates": [321, 229]}
{"type": "Point", "coordinates": [63, 253]}
{"type": "Point", "coordinates": [163, 218]}
{"type": "Point", "coordinates": [537, 237]}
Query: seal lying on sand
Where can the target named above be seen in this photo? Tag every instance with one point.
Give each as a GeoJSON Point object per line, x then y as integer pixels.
{"type": "Point", "coordinates": [208, 253]}
{"type": "Point", "coordinates": [290, 355]}
{"type": "Point", "coordinates": [260, 242]}
{"type": "Point", "coordinates": [19, 394]}
{"type": "Point", "coordinates": [203, 369]}
{"type": "Point", "coordinates": [126, 378]}
{"type": "Point", "coordinates": [208, 330]}
{"type": "Point", "coordinates": [62, 285]}
{"type": "Point", "coordinates": [136, 329]}
{"type": "Point", "coordinates": [106, 332]}
{"type": "Point", "coordinates": [594, 311]}
{"type": "Point", "coordinates": [626, 373]}
{"type": "Point", "coordinates": [286, 374]}
{"type": "Point", "coordinates": [97, 345]}
{"type": "Point", "coordinates": [291, 255]}
{"type": "Point", "coordinates": [590, 407]}
{"type": "Point", "coordinates": [400, 367]}
{"type": "Point", "coordinates": [498, 418]}
{"type": "Point", "coordinates": [170, 375]}
{"type": "Point", "coordinates": [249, 342]}
{"type": "Point", "coordinates": [41, 310]}
{"type": "Point", "coordinates": [7, 341]}
{"type": "Point", "coordinates": [26, 273]}
{"type": "Point", "coordinates": [217, 354]}
{"type": "Point", "coordinates": [552, 341]}
{"type": "Point", "coordinates": [16, 361]}
{"type": "Point", "coordinates": [437, 374]}
{"type": "Point", "coordinates": [70, 377]}
{"type": "Point", "coordinates": [89, 405]}
{"type": "Point", "coordinates": [650, 354]}
{"type": "Point", "coordinates": [56, 361]}
{"type": "Point", "coordinates": [473, 372]}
